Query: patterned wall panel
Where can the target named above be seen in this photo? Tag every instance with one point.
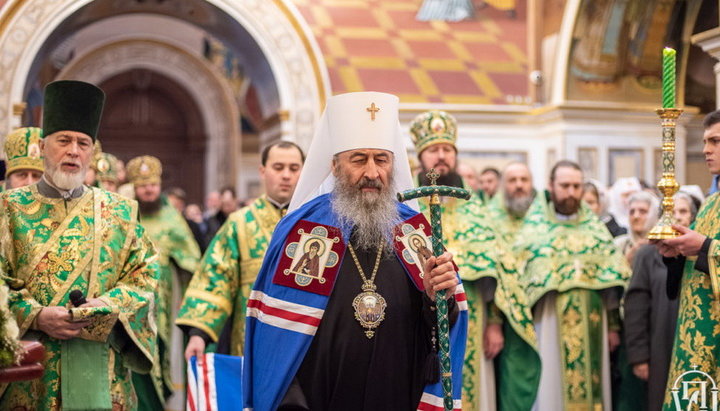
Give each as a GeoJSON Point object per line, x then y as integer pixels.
{"type": "Point", "coordinates": [379, 45]}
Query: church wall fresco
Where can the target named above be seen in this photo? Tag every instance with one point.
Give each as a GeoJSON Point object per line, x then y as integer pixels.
{"type": "Point", "coordinates": [616, 48]}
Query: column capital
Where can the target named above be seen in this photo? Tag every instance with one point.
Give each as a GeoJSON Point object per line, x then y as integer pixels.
{"type": "Point", "coordinates": [709, 41]}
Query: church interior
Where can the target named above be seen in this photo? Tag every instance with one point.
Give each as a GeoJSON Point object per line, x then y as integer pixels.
{"type": "Point", "coordinates": [204, 84]}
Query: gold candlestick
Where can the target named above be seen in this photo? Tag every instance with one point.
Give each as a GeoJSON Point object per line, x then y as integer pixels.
{"type": "Point", "coordinates": [667, 185]}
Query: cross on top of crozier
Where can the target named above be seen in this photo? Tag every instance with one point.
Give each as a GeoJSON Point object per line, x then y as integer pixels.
{"type": "Point", "coordinates": [372, 110]}
{"type": "Point", "coordinates": [433, 176]}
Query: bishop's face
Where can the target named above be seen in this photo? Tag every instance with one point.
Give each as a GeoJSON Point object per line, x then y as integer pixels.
{"type": "Point", "coordinates": [363, 196]}
{"type": "Point", "coordinates": [367, 169]}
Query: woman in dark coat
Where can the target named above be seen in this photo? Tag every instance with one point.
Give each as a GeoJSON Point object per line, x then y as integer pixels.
{"type": "Point", "coordinates": [650, 316]}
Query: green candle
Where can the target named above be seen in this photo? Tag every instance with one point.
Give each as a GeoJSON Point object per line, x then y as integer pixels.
{"type": "Point", "coordinates": [668, 78]}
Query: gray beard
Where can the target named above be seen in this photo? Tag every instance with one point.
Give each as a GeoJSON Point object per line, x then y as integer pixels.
{"type": "Point", "coordinates": [62, 180]}
{"type": "Point", "coordinates": [518, 206]}
{"type": "Point", "coordinates": [372, 215]}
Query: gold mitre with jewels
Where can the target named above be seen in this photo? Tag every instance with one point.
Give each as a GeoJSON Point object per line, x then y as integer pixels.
{"type": "Point", "coordinates": [144, 170]}
{"type": "Point", "coordinates": [106, 167]}
{"type": "Point", "coordinates": [22, 150]}
{"type": "Point", "coordinates": [433, 127]}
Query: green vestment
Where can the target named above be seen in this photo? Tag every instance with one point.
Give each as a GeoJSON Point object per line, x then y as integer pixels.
{"type": "Point", "coordinates": [567, 264]}
{"type": "Point", "coordinates": [697, 334]}
{"type": "Point", "coordinates": [175, 246]}
{"type": "Point", "coordinates": [517, 367]}
{"type": "Point", "coordinates": [93, 243]}
{"type": "Point", "coordinates": [493, 295]}
{"type": "Point", "coordinates": [221, 286]}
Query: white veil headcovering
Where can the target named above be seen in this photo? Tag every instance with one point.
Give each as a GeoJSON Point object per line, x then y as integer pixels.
{"type": "Point", "coordinates": [353, 121]}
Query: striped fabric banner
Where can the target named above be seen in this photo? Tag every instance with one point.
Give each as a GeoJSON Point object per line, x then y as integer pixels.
{"type": "Point", "coordinates": [429, 402]}
{"type": "Point", "coordinates": [284, 314]}
{"type": "Point", "coordinates": [461, 298]}
{"type": "Point", "coordinates": [215, 386]}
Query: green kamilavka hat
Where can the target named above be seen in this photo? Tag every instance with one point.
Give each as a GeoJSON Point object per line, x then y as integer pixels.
{"type": "Point", "coordinates": [72, 106]}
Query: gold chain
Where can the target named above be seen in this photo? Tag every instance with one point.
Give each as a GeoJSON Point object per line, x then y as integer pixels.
{"type": "Point", "coordinates": [367, 283]}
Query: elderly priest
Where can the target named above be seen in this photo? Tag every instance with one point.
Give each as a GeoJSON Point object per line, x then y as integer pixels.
{"type": "Point", "coordinates": [77, 262]}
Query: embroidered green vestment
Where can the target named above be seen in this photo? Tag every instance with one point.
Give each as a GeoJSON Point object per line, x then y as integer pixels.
{"type": "Point", "coordinates": [576, 259]}
{"type": "Point", "coordinates": [49, 247]}
{"type": "Point", "coordinates": [698, 328]}
{"type": "Point", "coordinates": [493, 294]}
{"type": "Point", "coordinates": [174, 243]}
{"type": "Point", "coordinates": [222, 284]}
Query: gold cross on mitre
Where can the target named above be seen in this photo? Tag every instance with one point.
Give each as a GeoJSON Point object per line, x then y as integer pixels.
{"type": "Point", "coordinates": [372, 110]}
{"type": "Point", "coordinates": [433, 176]}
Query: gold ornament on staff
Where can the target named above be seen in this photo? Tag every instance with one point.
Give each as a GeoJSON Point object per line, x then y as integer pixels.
{"type": "Point", "coordinates": [667, 185]}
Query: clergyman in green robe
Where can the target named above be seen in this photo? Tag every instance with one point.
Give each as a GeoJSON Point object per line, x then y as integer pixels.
{"type": "Point", "coordinates": [517, 367]}
{"type": "Point", "coordinates": [178, 258]}
{"type": "Point", "coordinates": [220, 288]}
{"type": "Point", "coordinates": [497, 309]}
{"type": "Point", "coordinates": [59, 238]}
{"type": "Point", "coordinates": [693, 261]}
{"type": "Point", "coordinates": [573, 276]}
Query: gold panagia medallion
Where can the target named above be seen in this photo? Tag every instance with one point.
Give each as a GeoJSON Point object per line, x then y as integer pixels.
{"type": "Point", "coordinates": [369, 310]}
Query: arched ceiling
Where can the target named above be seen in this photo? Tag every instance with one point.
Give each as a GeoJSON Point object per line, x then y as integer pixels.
{"type": "Point", "coordinates": [192, 13]}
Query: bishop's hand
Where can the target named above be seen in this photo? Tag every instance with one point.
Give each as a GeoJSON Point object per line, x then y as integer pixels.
{"type": "Point", "coordinates": [439, 274]}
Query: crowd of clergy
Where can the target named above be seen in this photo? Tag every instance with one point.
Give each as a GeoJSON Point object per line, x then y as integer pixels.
{"type": "Point", "coordinates": [569, 305]}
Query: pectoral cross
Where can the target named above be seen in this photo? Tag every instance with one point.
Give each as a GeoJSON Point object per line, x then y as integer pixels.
{"type": "Point", "coordinates": [433, 176]}
{"type": "Point", "coordinates": [372, 110]}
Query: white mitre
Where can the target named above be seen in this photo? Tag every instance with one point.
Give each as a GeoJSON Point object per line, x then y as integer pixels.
{"type": "Point", "coordinates": [353, 121]}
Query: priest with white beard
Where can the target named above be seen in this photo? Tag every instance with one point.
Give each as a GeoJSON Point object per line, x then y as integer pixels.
{"type": "Point", "coordinates": [80, 269]}
{"type": "Point", "coordinates": [361, 333]}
